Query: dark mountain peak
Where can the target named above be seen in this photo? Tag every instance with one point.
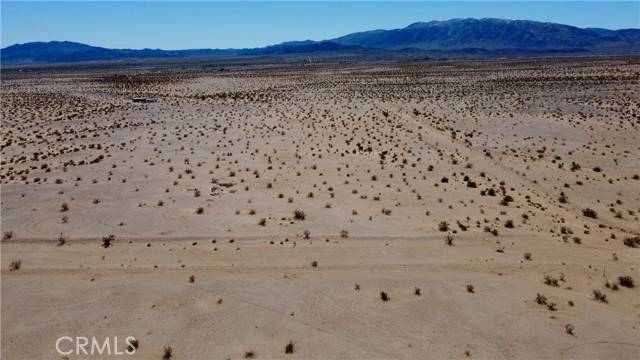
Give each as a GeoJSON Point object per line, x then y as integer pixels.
{"type": "Point", "coordinates": [495, 34]}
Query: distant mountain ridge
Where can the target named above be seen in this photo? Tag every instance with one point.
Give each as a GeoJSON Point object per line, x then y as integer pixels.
{"type": "Point", "coordinates": [456, 36]}
{"type": "Point", "coordinates": [67, 51]}
{"type": "Point", "coordinates": [493, 34]}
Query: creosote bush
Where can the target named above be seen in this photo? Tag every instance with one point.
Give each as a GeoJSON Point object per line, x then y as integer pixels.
{"type": "Point", "coordinates": [590, 213]}
{"type": "Point", "coordinates": [626, 281]}
{"type": "Point", "coordinates": [299, 215]}
{"type": "Point", "coordinates": [107, 240]}
{"type": "Point", "coordinates": [15, 265]}
{"type": "Point", "coordinates": [288, 349]}
{"type": "Point", "coordinates": [600, 296]}
{"type": "Point", "coordinates": [167, 353]}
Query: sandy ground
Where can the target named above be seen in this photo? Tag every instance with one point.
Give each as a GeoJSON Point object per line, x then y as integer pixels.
{"type": "Point", "coordinates": [490, 202]}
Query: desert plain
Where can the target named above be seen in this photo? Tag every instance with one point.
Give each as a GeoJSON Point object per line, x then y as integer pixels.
{"type": "Point", "coordinates": [352, 210]}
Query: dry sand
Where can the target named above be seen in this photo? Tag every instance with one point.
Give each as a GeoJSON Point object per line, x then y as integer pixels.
{"type": "Point", "coordinates": [465, 180]}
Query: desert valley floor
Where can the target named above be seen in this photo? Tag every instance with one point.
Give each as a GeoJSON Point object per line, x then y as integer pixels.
{"type": "Point", "coordinates": [423, 210]}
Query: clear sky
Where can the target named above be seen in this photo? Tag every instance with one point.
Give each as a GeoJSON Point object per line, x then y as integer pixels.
{"type": "Point", "coordinates": [182, 25]}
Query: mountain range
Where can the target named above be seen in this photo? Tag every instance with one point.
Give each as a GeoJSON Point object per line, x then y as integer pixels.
{"type": "Point", "coordinates": [456, 37]}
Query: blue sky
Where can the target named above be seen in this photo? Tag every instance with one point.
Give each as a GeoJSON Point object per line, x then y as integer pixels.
{"type": "Point", "coordinates": [181, 25]}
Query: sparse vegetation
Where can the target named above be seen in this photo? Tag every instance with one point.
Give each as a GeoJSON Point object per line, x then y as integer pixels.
{"type": "Point", "coordinates": [15, 265]}
{"type": "Point", "coordinates": [288, 349]}
{"type": "Point", "coordinates": [167, 353]}
{"type": "Point", "coordinates": [299, 215]}
{"type": "Point", "coordinates": [626, 281]}
{"type": "Point", "coordinates": [108, 240]}
{"type": "Point", "coordinates": [600, 296]}
{"type": "Point", "coordinates": [590, 213]}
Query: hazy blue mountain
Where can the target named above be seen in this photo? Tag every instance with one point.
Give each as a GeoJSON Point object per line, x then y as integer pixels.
{"type": "Point", "coordinates": [66, 51]}
{"type": "Point", "coordinates": [494, 34]}
{"type": "Point", "coordinates": [457, 37]}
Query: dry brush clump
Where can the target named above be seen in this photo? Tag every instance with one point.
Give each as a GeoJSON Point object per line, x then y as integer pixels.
{"type": "Point", "coordinates": [600, 296]}
{"type": "Point", "coordinates": [299, 215]}
{"type": "Point", "coordinates": [590, 213]}
{"type": "Point", "coordinates": [289, 347]}
{"type": "Point", "coordinates": [167, 353]}
{"type": "Point", "coordinates": [626, 281]}
{"type": "Point", "coordinates": [15, 265]}
{"type": "Point", "coordinates": [108, 240]}
{"type": "Point", "coordinates": [632, 242]}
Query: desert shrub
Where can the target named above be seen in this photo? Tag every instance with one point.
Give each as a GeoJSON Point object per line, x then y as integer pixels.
{"type": "Point", "coordinates": [199, 211]}
{"type": "Point", "coordinates": [107, 240]}
{"type": "Point", "coordinates": [590, 213]}
{"type": "Point", "coordinates": [344, 234]}
{"type": "Point", "coordinates": [288, 349]}
{"type": "Point", "coordinates": [384, 296]}
{"type": "Point", "coordinates": [167, 353]}
{"type": "Point", "coordinates": [61, 240]}
{"type": "Point", "coordinates": [541, 299]}
{"type": "Point", "coordinates": [551, 281]}
{"type": "Point", "coordinates": [449, 240]}
{"type": "Point", "coordinates": [15, 265]}
{"type": "Point", "coordinates": [443, 226]}
{"type": "Point", "coordinates": [527, 256]}
{"type": "Point", "coordinates": [563, 198]}
{"type": "Point", "coordinates": [470, 289]}
{"type": "Point", "coordinates": [299, 215]}
{"type": "Point", "coordinates": [262, 222]}
{"type": "Point", "coordinates": [506, 200]}
{"type": "Point", "coordinates": [632, 241]}
{"type": "Point", "coordinates": [569, 329]}
{"type": "Point", "coordinates": [600, 296]}
{"type": "Point", "coordinates": [626, 281]}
